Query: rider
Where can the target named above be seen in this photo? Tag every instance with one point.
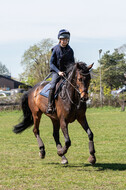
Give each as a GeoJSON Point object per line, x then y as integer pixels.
{"type": "Point", "coordinates": [62, 55]}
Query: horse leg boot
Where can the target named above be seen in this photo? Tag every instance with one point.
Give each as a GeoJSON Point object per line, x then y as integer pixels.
{"type": "Point", "coordinates": [41, 147]}
{"type": "Point", "coordinates": [50, 101]}
{"type": "Point", "coordinates": [92, 158]}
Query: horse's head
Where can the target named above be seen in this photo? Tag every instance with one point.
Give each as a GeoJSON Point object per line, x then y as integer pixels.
{"type": "Point", "coordinates": [83, 79]}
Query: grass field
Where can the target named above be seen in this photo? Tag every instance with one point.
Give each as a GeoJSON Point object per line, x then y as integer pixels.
{"type": "Point", "coordinates": [22, 169]}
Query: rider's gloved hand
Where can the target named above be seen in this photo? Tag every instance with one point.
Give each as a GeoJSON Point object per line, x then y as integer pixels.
{"type": "Point", "coordinates": [61, 73]}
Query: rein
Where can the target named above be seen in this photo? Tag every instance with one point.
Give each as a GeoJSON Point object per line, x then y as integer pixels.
{"type": "Point", "coordinates": [70, 98]}
{"type": "Point", "coordinates": [71, 84]}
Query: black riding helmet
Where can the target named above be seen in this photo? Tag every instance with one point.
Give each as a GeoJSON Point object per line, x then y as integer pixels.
{"type": "Point", "coordinates": [64, 34]}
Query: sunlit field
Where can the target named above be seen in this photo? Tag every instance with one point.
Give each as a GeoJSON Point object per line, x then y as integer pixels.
{"type": "Point", "coordinates": [22, 169]}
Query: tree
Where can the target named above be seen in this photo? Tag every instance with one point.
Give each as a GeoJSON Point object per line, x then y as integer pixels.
{"type": "Point", "coordinates": [4, 70]}
{"type": "Point", "coordinates": [95, 81]}
{"type": "Point", "coordinates": [122, 49]}
{"type": "Point", "coordinates": [36, 62]}
{"type": "Point", "coordinates": [122, 100]}
{"type": "Point", "coordinates": [113, 67]}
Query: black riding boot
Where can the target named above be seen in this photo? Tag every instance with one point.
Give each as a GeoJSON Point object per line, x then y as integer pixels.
{"type": "Point", "coordinates": [50, 101]}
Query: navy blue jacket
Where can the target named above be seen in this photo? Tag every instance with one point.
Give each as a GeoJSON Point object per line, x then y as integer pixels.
{"type": "Point", "coordinates": [61, 57]}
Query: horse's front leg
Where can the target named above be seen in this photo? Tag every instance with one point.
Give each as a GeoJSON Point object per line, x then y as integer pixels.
{"type": "Point", "coordinates": [84, 124]}
{"type": "Point", "coordinates": [64, 126]}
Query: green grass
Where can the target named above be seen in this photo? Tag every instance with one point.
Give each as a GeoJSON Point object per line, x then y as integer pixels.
{"type": "Point", "coordinates": [22, 169]}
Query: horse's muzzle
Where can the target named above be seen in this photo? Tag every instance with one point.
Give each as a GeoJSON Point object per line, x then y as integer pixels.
{"type": "Point", "coordinates": [84, 99]}
{"type": "Point", "coordinates": [84, 96]}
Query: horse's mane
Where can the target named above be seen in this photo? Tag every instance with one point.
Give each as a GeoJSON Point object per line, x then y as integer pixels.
{"type": "Point", "coordinates": [82, 67]}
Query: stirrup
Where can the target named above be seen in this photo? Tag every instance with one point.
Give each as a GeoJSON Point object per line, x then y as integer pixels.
{"type": "Point", "coordinates": [50, 109]}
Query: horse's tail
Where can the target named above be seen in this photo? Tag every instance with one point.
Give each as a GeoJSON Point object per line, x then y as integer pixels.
{"type": "Point", "coordinates": [27, 116]}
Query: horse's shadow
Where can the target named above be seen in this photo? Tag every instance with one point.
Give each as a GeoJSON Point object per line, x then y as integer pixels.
{"type": "Point", "coordinates": [97, 166]}
{"type": "Point", "coordinates": [110, 166]}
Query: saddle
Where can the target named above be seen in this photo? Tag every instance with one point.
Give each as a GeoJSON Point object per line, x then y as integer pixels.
{"type": "Point", "coordinates": [45, 91]}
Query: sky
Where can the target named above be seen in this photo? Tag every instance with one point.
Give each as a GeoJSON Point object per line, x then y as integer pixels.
{"type": "Point", "coordinates": [93, 24]}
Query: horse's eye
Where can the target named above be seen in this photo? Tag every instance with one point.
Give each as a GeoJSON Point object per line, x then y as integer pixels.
{"type": "Point", "coordinates": [80, 79]}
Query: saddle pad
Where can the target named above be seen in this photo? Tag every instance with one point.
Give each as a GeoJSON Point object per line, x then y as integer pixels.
{"type": "Point", "coordinates": [45, 91]}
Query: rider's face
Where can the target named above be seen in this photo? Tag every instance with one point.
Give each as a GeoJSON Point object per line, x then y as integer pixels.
{"type": "Point", "coordinates": [64, 42]}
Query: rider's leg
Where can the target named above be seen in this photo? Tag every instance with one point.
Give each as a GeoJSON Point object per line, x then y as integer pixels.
{"type": "Point", "coordinates": [50, 101]}
{"type": "Point", "coordinates": [55, 79]}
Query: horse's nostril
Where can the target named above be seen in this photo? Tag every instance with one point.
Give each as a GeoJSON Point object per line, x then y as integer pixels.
{"type": "Point", "coordinates": [83, 99]}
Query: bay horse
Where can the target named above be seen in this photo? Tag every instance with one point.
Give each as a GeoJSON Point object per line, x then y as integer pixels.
{"type": "Point", "coordinates": [70, 105]}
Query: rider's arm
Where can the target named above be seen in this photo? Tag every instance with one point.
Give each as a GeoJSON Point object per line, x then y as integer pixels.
{"type": "Point", "coordinates": [73, 60]}
{"type": "Point", "coordinates": [53, 61]}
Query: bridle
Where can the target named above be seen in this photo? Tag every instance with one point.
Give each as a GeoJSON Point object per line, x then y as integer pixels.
{"type": "Point", "coordinates": [85, 74]}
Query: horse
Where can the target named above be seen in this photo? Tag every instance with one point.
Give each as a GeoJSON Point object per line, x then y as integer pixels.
{"type": "Point", "coordinates": [70, 105]}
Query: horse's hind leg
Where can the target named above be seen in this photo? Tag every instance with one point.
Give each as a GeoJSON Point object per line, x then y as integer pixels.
{"type": "Point", "coordinates": [56, 127]}
{"type": "Point", "coordinates": [64, 128]}
{"type": "Point", "coordinates": [37, 117]}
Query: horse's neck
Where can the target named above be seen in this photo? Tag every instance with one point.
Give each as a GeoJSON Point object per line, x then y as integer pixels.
{"type": "Point", "coordinates": [71, 88]}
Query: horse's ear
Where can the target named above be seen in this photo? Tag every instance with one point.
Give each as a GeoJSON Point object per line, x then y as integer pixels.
{"type": "Point", "coordinates": [77, 65]}
{"type": "Point", "coordinates": [90, 66]}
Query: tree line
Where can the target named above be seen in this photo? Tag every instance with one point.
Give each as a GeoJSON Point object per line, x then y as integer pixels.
{"type": "Point", "coordinates": [36, 58]}
{"type": "Point", "coordinates": [112, 67]}
{"type": "Point", "coordinates": [113, 72]}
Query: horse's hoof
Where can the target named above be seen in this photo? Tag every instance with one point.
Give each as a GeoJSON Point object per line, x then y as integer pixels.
{"type": "Point", "coordinates": [64, 160]}
{"type": "Point", "coordinates": [92, 159]}
{"type": "Point", "coordinates": [60, 152]}
{"type": "Point", "coordinates": [42, 154]}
